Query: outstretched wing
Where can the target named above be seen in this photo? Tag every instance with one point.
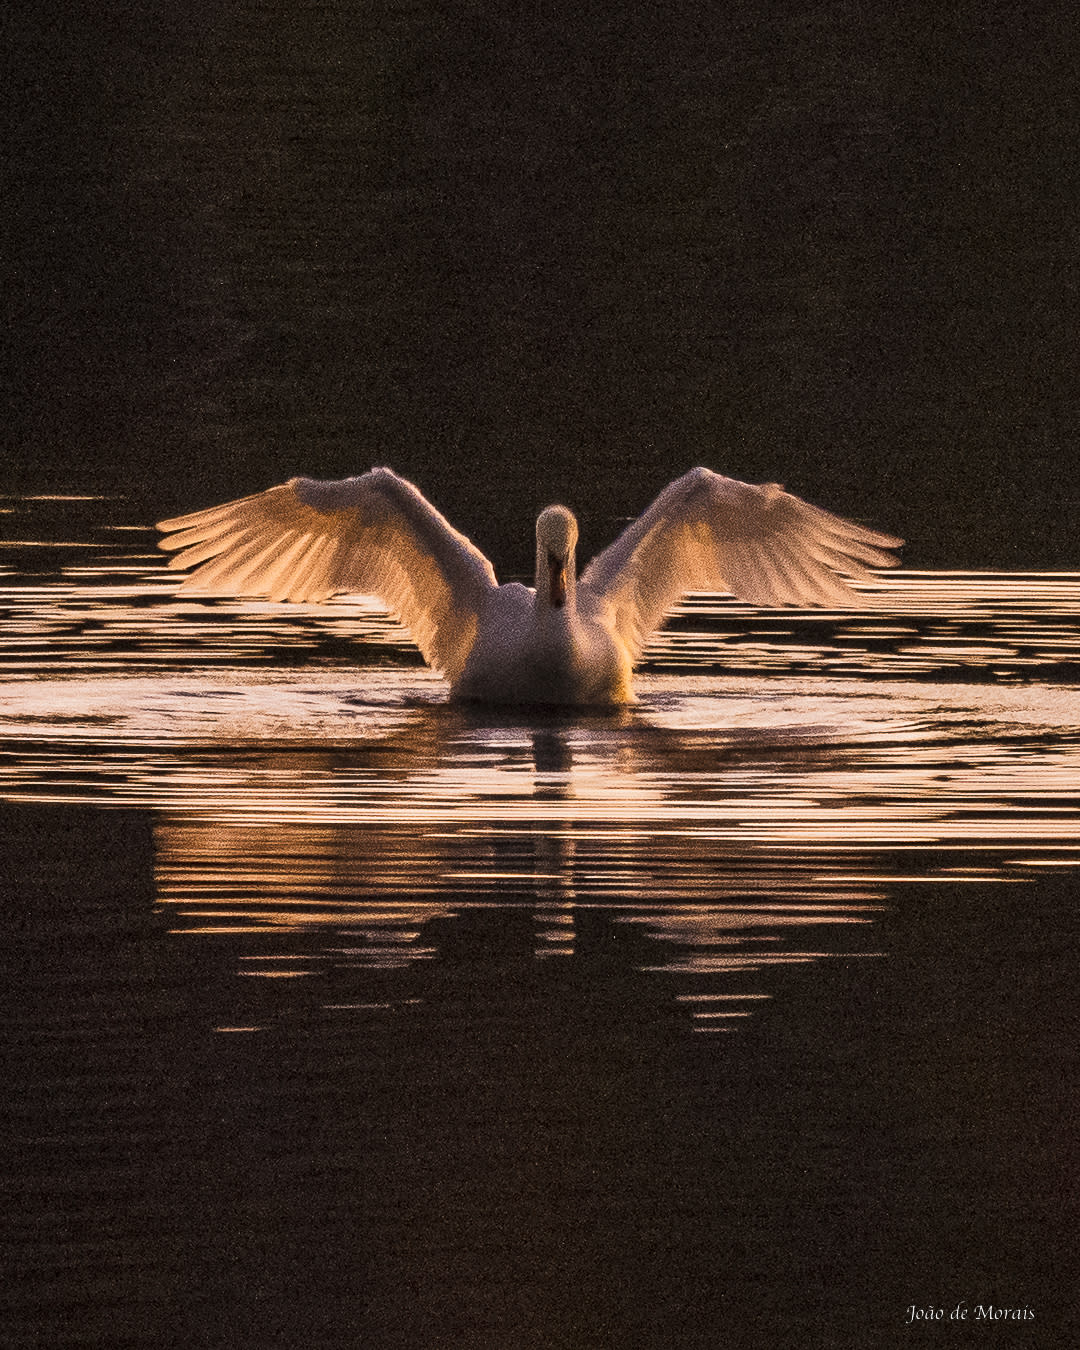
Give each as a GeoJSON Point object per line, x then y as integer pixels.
{"type": "Point", "coordinates": [307, 540]}
{"type": "Point", "coordinates": [709, 533]}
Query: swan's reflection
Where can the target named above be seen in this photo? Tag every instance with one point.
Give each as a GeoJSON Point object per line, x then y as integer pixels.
{"type": "Point", "coordinates": [583, 826]}
{"type": "Point", "coordinates": [713, 835]}
{"type": "Point", "coordinates": [555, 849]}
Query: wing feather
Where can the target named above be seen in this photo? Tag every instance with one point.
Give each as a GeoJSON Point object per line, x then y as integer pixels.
{"type": "Point", "coordinates": [707, 532]}
{"type": "Point", "coordinates": [306, 540]}
{"type": "Point", "coordinates": [199, 550]}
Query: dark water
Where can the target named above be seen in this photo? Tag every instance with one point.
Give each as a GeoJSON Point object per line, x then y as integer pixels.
{"type": "Point", "coordinates": [335, 1015]}
{"type": "Point", "coordinates": [517, 250]}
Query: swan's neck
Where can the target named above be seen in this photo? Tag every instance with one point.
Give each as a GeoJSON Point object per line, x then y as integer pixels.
{"type": "Point", "coordinates": [556, 581]}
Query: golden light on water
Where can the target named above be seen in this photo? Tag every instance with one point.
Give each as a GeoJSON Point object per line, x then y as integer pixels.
{"type": "Point", "coordinates": [782, 775]}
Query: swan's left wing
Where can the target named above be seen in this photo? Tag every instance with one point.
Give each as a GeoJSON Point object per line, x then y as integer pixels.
{"type": "Point", "coordinates": [709, 533]}
{"type": "Point", "coordinates": [307, 540]}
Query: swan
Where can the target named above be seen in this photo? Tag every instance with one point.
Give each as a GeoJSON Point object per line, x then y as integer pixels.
{"type": "Point", "coordinates": [572, 640]}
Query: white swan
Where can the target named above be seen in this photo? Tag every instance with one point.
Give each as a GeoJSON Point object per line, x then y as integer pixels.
{"type": "Point", "coordinates": [571, 640]}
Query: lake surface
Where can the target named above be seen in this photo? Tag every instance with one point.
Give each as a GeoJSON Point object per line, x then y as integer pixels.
{"type": "Point", "coordinates": [338, 1015]}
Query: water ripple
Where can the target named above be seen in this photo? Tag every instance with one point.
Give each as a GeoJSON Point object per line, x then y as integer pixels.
{"type": "Point", "coordinates": [781, 775]}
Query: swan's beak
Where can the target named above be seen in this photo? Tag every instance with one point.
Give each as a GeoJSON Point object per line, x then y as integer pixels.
{"type": "Point", "coordinates": [557, 571]}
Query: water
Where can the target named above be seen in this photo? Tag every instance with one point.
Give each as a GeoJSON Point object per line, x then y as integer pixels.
{"type": "Point", "coordinates": [340, 1015]}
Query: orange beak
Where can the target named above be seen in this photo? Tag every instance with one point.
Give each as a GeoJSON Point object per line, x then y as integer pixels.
{"type": "Point", "coordinates": [557, 570]}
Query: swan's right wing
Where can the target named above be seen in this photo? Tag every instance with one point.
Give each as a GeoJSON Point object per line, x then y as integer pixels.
{"type": "Point", "coordinates": [376, 534]}
{"type": "Point", "coordinates": [709, 533]}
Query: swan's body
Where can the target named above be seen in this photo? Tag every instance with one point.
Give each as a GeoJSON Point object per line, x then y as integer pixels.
{"type": "Point", "coordinates": [568, 641]}
{"type": "Point", "coordinates": [551, 644]}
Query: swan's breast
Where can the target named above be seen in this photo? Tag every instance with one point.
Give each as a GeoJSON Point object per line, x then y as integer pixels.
{"type": "Point", "coordinates": [525, 653]}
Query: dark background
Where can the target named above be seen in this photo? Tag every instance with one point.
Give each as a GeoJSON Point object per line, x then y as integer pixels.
{"type": "Point", "coordinates": [523, 252]}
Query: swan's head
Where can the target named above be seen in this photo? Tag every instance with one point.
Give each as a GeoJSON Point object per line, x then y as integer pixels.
{"type": "Point", "coordinates": [556, 539]}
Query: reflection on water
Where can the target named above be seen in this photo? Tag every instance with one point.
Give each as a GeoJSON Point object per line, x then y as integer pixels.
{"type": "Point", "coordinates": [735, 821]}
{"type": "Point", "coordinates": [736, 829]}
